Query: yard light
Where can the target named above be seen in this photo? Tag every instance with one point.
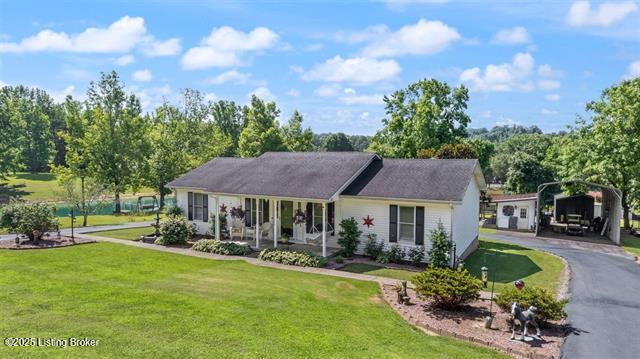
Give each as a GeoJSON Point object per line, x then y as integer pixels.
{"type": "Point", "coordinates": [485, 276]}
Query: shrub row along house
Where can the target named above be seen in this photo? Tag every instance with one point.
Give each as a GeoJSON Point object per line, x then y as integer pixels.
{"type": "Point", "coordinates": [304, 196]}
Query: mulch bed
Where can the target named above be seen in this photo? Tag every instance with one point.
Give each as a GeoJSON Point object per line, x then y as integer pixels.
{"type": "Point", "coordinates": [468, 324]}
{"type": "Point", "coordinates": [46, 242]}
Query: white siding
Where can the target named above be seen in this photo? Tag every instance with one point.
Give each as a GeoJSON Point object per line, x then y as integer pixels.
{"type": "Point", "coordinates": [379, 211]}
{"type": "Point", "coordinates": [465, 216]}
{"type": "Point", "coordinates": [523, 224]}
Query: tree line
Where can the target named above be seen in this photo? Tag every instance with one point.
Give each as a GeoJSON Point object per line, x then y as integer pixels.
{"type": "Point", "coordinates": [107, 143]}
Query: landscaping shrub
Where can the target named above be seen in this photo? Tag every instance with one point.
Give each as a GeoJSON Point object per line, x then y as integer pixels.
{"type": "Point", "coordinates": [549, 308]}
{"type": "Point", "coordinates": [349, 236]}
{"type": "Point", "coordinates": [448, 288]}
{"type": "Point", "coordinates": [383, 257]}
{"type": "Point", "coordinates": [373, 248]}
{"type": "Point", "coordinates": [220, 247]}
{"type": "Point", "coordinates": [175, 211]}
{"type": "Point", "coordinates": [302, 259]}
{"type": "Point", "coordinates": [416, 255]}
{"type": "Point", "coordinates": [30, 219]}
{"type": "Point", "coordinates": [175, 230]}
{"type": "Point", "coordinates": [441, 246]}
{"type": "Point", "coordinates": [396, 254]}
{"type": "Point", "coordinates": [339, 259]}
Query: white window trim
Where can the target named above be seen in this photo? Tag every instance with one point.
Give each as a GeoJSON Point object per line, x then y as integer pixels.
{"type": "Point", "coordinates": [196, 217]}
{"type": "Point", "coordinates": [413, 232]}
{"type": "Point", "coordinates": [526, 212]}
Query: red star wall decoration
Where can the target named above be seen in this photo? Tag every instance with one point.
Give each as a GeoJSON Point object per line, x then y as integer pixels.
{"type": "Point", "coordinates": [368, 221]}
{"type": "Point", "coordinates": [223, 208]}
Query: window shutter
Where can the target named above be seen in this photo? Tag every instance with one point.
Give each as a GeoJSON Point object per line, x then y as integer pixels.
{"type": "Point", "coordinates": [265, 210]}
{"type": "Point", "coordinates": [190, 206]}
{"type": "Point", "coordinates": [205, 207]}
{"type": "Point", "coordinates": [393, 223]}
{"type": "Point", "coordinates": [419, 226]}
{"type": "Point", "coordinates": [247, 212]}
{"type": "Point", "coordinates": [309, 212]}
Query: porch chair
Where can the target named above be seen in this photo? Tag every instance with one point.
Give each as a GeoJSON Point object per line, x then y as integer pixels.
{"type": "Point", "coordinates": [315, 237]}
{"type": "Point", "coordinates": [237, 228]}
{"type": "Point", "coordinates": [266, 230]}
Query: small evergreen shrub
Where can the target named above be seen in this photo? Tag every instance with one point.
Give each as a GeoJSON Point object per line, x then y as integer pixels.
{"type": "Point", "coordinates": [441, 247]}
{"type": "Point", "coordinates": [220, 247]}
{"type": "Point", "coordinates": [175, 230]}
{"type": "Point", "coordinates": [549, 308]}
{"type": "Point", "coordinates": [302, 259]}
{"type": "Point", "coordinates": [447, 288]}
{"type": "Point", "coordinates": [339, 259]}
{"type": "Point", "coordinates": [349, 236]}
{"type": "Point", "coordinates": [416, 255]}
{"type": "Point", "coordinates": [373, 248]}
{"type": "Point", "coordinates": [384, 257]}
{"type": "Point", "coordinates": [396, 254]}
{"type": "Point", "coordinates": [175, 211]}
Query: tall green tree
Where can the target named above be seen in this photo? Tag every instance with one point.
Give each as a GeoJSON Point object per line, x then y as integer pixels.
{"type": "Point", "coordinates": [11, 124]}
{"type": "Point", "coordinates": [337, 142]}
{"type": "Point", "coordinates": [533, 145]}
{"type": "Point", "coordinates": [261, 133]}
{"type": "Point", "coordinates": [228, 118]}
{"type": "Point", "coordinates": [485, 150]}
{"type": "Point", "coordinates": [295, 138]}
{"type": "Point", "coordinates": [117, 137]}
{"type": "Point", "coordinates": [606, 149]}
{"type": "Point", "coordinates": [424, 115]}
{"type": "Point", "coordinates": [526, 173]}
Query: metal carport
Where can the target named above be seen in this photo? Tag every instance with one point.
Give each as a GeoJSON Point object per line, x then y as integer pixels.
{"type": "Point", "coordinates": [611, 205]}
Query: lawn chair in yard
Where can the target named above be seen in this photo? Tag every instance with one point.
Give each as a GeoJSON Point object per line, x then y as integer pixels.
{"type": "Point", "coordinates": [315, 237]}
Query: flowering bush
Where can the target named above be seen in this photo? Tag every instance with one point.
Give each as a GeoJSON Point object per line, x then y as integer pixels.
{"type": "Point", "coordinates": [30, 219]}
{"type": "Point", "coordinates": [175, 230]}
{"type": "Point", "coordinates": [236, 212]}
{"type": "Point", "coordinates": [302, 259]}
{"type": "Point", "coordinates": [219, 247]}
{"type": "Point", "coordinates": [299, 217]}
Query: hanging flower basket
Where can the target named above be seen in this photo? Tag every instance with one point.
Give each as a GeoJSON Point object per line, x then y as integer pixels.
{"type": "Point", "coordinates": [299, 217]}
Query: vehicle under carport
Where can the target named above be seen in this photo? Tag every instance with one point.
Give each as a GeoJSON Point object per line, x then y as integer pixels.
{"type": "Point", "coordinates": [572, 215]}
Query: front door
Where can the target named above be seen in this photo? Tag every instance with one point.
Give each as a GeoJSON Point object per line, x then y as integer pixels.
{"type": "Point", "coordinates": [286, 217]}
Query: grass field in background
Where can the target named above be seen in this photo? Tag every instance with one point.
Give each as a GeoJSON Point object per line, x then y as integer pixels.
{"type": "Point", "coordinates": [143, 303]}
{"type": "Point", "coordinates": [102, 220]}
{"type": "Point", "coordinates": [131, 234]}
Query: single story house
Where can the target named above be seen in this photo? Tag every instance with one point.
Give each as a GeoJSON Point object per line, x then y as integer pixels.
{"type": "Point", "coordinates": [516, 211]}
{"type": "Point", "coordinates": [399, 200]}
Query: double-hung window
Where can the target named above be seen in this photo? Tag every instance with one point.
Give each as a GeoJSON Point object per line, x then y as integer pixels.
{"type": "Point", "coordinates": [406, 223]}
{"type": "Point", "coordinates": [523, 213]}
{"type": "Point", "coordinates": [197, 206]}
{"type": "Point", "coordinates": [317, 216]}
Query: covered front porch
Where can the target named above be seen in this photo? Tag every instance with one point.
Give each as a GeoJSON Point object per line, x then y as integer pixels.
{"type": "Point", "coordinates": [295, 224]}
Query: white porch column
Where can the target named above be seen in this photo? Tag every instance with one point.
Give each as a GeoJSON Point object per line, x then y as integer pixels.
{"type": "Point", "coordinates": [217, 220]}
{"type": "Point", "coordinates": [275, 223]}
{"type": "Point", "coordinates": [257, 230]}
{"type": "Point", "coordinates": [324, 229]}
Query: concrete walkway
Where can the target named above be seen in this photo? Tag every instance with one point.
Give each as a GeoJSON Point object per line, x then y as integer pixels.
{"type": "Point", "coordinates": [605, 296]}
{"type": "Point", "coordinates": [80, 230]}
{"type": "Point", "coordinates": [254, 261]}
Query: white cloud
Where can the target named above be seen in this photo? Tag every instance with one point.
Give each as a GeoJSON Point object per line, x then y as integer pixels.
{"type": "Point", "coordinates": [121, 36]}
{"type": "Point", "coordinates": [513, 36]}
{"type": "Point", "coordinates": [422, 38]}
{"type": "Point", "coordinates": [142, 75]}
{"type": "Point", "coordinates": [210, 97]}
{"type": "Point", "coordinates": [633, 70]}
{"type": "Point", "coordinates": [60, 96]}
{"type": "Point", "coordinates": [549, 112]}
{"type": "Point", "coordinates": [548, 84]}
{"type": "Point", "coordinates": [225, 45]}
{"type": "Point", "coordinates": [356, 70]}
{"type": "Point", "coordinates": [264, 94]}
{"type": "Point", "coordinates": [401, 4]}
{"type": "Point", "coordinates": [296, 69]}
{"type": "Point", "coordinates": [169, 47]}
{"type": "Point", "coordinates": [362, 99]}
{"type": "Point", "coordinates": [328, 90]}
{"type": "Point", "coordinates": [293, 93]}
{"type": "Point", "coordinates": [230, 76]}
{"type": "Point", "coordinates": [547, 71]}
{"type": "Point", "coordinates": [553, 97]}
{"type": "Point", "coordinates": [369, 33]}
{"type": "Point", "coordinates": [501, 78]}
{"type": "Point", "coordinates": [125, 60]}
{"type": "Point", "coordinates": [608, 13]}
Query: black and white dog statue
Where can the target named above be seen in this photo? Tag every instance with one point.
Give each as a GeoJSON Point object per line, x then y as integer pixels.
{"type": "Point", "coordinates": [525, 318]}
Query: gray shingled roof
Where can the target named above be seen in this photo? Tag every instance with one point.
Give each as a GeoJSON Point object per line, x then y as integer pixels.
{"type": "Point", "coordinates": [313, 175]}
{"type": "Point", "coordinates": [422, 179]}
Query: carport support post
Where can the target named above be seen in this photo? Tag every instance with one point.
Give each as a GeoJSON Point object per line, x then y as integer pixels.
{"type": "Point", "coordinates": [217, 220]}
{"type": "Point", "coordinates": [275, 221]}
{"type": "Point", "coordinates": [257, 229]}
{"type": "Point", "coordinates": [324, 229]}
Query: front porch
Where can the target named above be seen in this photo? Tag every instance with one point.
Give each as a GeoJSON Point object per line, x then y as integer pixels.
{"type": "Point", "coordinates": [332, 247]}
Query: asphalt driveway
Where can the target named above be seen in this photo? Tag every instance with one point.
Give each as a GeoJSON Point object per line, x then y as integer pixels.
{"type": "Point", "coordinates": [604, 312]}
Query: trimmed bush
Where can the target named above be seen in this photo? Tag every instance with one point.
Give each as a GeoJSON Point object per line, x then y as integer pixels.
{"type": "Point", "coordinates": [416, 255]}
{"type": "Point", "coordinates": [373, 248]}
{"type": "Point", "coordinates": [549, 308]}
{"type": "Point", "coordinates": [339, 259]}
{"type": "Point", "coordinates": [31, 219]}
{"type": "Point", "coordinates": [175, 230]}
{"type": "Point", "coordinates": [396, 254]}
{"type": "Point", "coordinates": [441, 247]}
{"type": "Point", "coordinates": [447, 288]}
{"type": "Point", "coordinates": [349, 236]}
{"type": "Point", "coordinates": [220, 247]}
{"type": "Point", "coordinates": [301, 259]}
{"type": "Point", "coordinates": [174, 211]}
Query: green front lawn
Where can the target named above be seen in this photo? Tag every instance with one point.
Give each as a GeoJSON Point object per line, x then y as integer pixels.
{"type": "Point", "coordinates": [131, 234]}
{"type": "Point", "coordinates": [631, 244]}
{"type": "Point", "coordinates": [102, 220]}
{"type": "Point", "coordinates": [508, 263]}
{"type": "Point", "coordinates": [486, 230]}
{"type": "Point", "coordinates": [400, 274]}
{"type": "Point", "coordinates": [145, 303]}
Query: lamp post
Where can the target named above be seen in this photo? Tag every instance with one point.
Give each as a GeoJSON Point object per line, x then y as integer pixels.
{"type": "Point", "coordinates": [485, 276]}
{"type": "Point", "coordinates": [73, 219]}
{"type": "Point", "coordinates": [157, 233]}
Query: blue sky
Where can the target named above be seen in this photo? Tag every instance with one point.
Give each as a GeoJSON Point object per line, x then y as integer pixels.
{"type": "Point", "coordinates": [525, 62]}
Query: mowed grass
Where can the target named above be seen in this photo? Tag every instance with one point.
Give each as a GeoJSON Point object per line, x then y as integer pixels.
{"type": "Point", "coordinates": [143, 303]}
{"type": "Point", "coordinates": [39, 187]}
{"type": "Point", "coordinates": [363, 268]}
{"type": "Point", "coordinates": [509, 262]}
{"type": "Point", "coordinates": [102, 220]}
{"type": "Point", "coordinates": [631, 244]}
{"type": "Point", "coordinates": [131, 234]}
{"type": "Point", "coordinates": [486, 230]}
